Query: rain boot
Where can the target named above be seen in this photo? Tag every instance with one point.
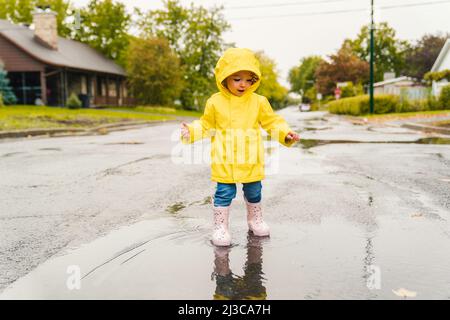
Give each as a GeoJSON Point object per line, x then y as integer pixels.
{"type": "Point", "coordinates": [255, 220]}
{"type": "Point", "coordinates": [221, 236]}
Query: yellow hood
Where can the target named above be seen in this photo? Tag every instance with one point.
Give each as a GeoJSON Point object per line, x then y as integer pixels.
{"type": "Point", "coordinates": [234, 60]}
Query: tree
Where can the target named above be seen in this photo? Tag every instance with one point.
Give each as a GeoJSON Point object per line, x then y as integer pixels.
{"type": "Point", "coordinates": [389, 52]}
{"type": "Point", "coordinates": [104, 27]}
{"type": "Point", "coordinates": [302, 77]}
{"type": "Point", "coordinates": [420, 59]}
{"type": "Point", "coordinates": [270, 87]}
{"type": "Point", "coordinates": [195, 34]}
{"type": "Point", "coordinates": [155, 75]}
{"type": "Point", "coordinates": [8, 96]}
{"type": "Point", "coordinates": [343, 66]}
{"type": "Point", "coordinates": [20, 11]}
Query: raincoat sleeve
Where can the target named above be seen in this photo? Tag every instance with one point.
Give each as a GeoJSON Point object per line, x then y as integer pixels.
{"type": "Point", "coordinates": [203, 127]}
{"type": "Point", "coordinates": [274, 124]}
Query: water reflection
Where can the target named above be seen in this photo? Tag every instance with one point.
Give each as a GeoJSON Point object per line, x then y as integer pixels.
{"type": "Point", "coordinates": [250, 285]}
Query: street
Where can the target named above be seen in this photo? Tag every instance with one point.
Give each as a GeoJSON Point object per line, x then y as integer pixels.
{"type": "Point", "coordinates": [356, 212]}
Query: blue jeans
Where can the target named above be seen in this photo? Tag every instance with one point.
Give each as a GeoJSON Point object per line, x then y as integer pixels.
{"type": "Point", "coordinates": [226, 192]}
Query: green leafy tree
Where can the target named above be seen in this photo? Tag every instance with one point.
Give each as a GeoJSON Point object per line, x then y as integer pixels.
{"type": "Point", "coordinates": [17, 11]}
{"type": "Point", "coordinates": [389, 52]}
{"type": "Point", "coordinates": [6, 93]}
{"type": "Point", "coordinates": [420, 59]}
{"type": "Point", "coordinates": [195, 34]}
{"type": "Point", "coordinates": [343, 66]}
{"type": "Point", "coordinates": [302, 77]}
{"type": "Point", "coordinates": [270, 87]}
{"type": "Point", "coordinates": [20, 11]}
{"type": "Point", "coordinates": [155, 75]}
{"type": "Point", "coordinates": [104, 26]}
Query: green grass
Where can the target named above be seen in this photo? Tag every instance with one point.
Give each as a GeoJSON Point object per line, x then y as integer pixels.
{"type": "Point", "coordinates": [444, 123]}
{"type": "Point", "coordinates": [34, 117]}
{"type": "Point", "coordinates": [390, 116]}
{"type": "Point", "coordinates": [161, 110]}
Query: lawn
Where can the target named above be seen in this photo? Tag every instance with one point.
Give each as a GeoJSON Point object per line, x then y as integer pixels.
{"type": "Point", "coordinates": [34, 117]}
{"type": "Point", "coordinates": [160, 110]}
{"type": "Point", "coordinates": [405, 115]}
{"type": "Point", "coordinates": [444, 123]}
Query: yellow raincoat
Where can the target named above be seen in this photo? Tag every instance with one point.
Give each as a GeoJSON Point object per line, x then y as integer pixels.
{"type": "Point", "coordinates": [233, 123]}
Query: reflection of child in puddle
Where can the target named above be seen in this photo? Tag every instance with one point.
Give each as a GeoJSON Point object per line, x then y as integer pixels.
{"type": "Point", "coordinates": [231, 286]}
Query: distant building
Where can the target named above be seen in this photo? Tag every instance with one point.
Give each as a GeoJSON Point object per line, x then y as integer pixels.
{"type": "Point", "coordinates": [401, 86]}
{"type": "Point", "coordinates": [42, 65]}
{"type": "Point", "coordinates": [442, 63]}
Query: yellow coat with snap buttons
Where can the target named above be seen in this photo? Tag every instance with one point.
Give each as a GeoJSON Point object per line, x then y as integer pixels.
{"type": "Point", "coordinates": [233, 123]}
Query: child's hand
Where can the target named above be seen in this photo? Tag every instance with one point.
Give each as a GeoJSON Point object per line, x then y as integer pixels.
{"type": "Point", "coordinates": [292, 136]}
{"type": "Point", "coordinates": [185, 131]}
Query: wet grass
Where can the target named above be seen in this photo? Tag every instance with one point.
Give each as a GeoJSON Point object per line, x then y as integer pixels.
{"type": "Point", "coordinates": [161, 110]}
{"type": "Point", "coordinates": [405, 115]}
{"type": "Point", "coordinates": [444, 124]}
{"type": "Point", "coordinates": [311, 143]}
{"type": "Point", "coordinates": [34, 117]}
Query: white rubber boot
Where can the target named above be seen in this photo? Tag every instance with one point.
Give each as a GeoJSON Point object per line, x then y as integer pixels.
{"type": "Point", "coordinates": [221, 236]}
{"type": "Point", "coordinates": [255, 220]}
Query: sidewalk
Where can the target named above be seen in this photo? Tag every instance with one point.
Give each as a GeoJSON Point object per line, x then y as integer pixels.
{"type": "Point", "coordinates": [58, 132]}
{"type": "Point", "coordinates": [419, 122]}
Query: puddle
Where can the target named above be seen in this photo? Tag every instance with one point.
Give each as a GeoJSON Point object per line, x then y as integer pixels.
{"type": "Point", "coordinates": [124, 142]}
{"type": "Point", "coordinates": [317, 128]}
{"type": "Point", "coordinates": [176, 207]}
{"type": "Point", "coordinates": [311, 143]}
{"type": "Point", "coordinates": [50, 149]}
{"type": "Point", "coordinates": [11, 154]}
{"type": "Point", "coordinates": [205, 201]}
{"type": "Point", "coordinates": [332, 259]}
{"type": "Point", "coordinates": [433, 140]}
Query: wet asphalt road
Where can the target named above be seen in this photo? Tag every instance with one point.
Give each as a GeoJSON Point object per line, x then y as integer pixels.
{"type": "Point", "coordinates": [356, 212]}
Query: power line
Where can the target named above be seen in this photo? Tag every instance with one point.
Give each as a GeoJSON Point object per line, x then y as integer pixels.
{"type": "Point", "coordinates": [283, 4]}
{"type": "Point", "coordinates": [315, 13]}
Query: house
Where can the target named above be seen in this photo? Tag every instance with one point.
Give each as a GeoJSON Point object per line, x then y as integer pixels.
{"type": "Point", "coordinates": [442, 63]}
{"type": "Point", "coordinates": [401, 86]}
{"type": "Point", "coordinates": [42, 65]}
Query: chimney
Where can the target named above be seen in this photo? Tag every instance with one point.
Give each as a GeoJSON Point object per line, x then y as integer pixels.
{"type": "Point", "coordinates": [45, 27]}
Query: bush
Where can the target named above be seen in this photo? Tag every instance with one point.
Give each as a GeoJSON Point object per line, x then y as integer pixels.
{"type": "Point", "coordinates": [350, 90]}
{"type": "Point", "coordinates": [73, 102]}
{"type": "Point", "coordinates": [444, 98]}
{"type": "Point", "coordinates": [1, 100]}
{"type": "Point", "coordinates": [361, 105]}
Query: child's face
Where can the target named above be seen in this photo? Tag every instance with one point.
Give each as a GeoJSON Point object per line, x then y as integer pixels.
{"type": "Point", "coordinates": [239, 82]}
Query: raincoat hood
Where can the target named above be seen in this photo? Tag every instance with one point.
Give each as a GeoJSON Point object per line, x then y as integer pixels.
{"type": "Point", "coordinates": [234, 60]}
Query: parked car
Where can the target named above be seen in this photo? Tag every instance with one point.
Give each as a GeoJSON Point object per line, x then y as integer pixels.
{"type": "Point", "coordinates": [304, 107]}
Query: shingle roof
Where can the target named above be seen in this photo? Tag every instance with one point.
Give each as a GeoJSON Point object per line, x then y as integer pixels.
{"type": "Point", "coordinates": [70, 53]}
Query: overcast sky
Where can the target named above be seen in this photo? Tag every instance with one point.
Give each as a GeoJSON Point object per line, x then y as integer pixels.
{"type": "Point", "coordinates": [287, 30]}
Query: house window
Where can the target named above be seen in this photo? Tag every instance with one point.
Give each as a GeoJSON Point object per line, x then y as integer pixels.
{"type": "Point", "coordinates": [26, 86]}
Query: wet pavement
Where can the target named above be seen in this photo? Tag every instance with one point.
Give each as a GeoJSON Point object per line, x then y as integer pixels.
{"type": "Point", "coordinates": [356, 212]}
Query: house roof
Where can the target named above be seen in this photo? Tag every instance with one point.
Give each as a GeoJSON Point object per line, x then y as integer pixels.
{"type": "Point", "coordinates": [394, 80]}
{"type": "Point", "coordinates": [70, 53]}
{"type": "Point", "coordinates": [444, 51]}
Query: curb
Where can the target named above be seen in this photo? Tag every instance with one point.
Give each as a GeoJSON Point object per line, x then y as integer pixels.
{"type": "Point", "coordinates": [426, 128]}
{"type": "Point", "coordinates": [103, 129]}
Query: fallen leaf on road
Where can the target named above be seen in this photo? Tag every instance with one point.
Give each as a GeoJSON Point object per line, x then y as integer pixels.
{"type": "Point", "coordinates": [417, 215]}
{"type": "Point", "coordinates": [404, 293]}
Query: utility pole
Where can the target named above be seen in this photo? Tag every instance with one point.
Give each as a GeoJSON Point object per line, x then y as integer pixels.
{"type": "Point", "coordinates": [372, 27]}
